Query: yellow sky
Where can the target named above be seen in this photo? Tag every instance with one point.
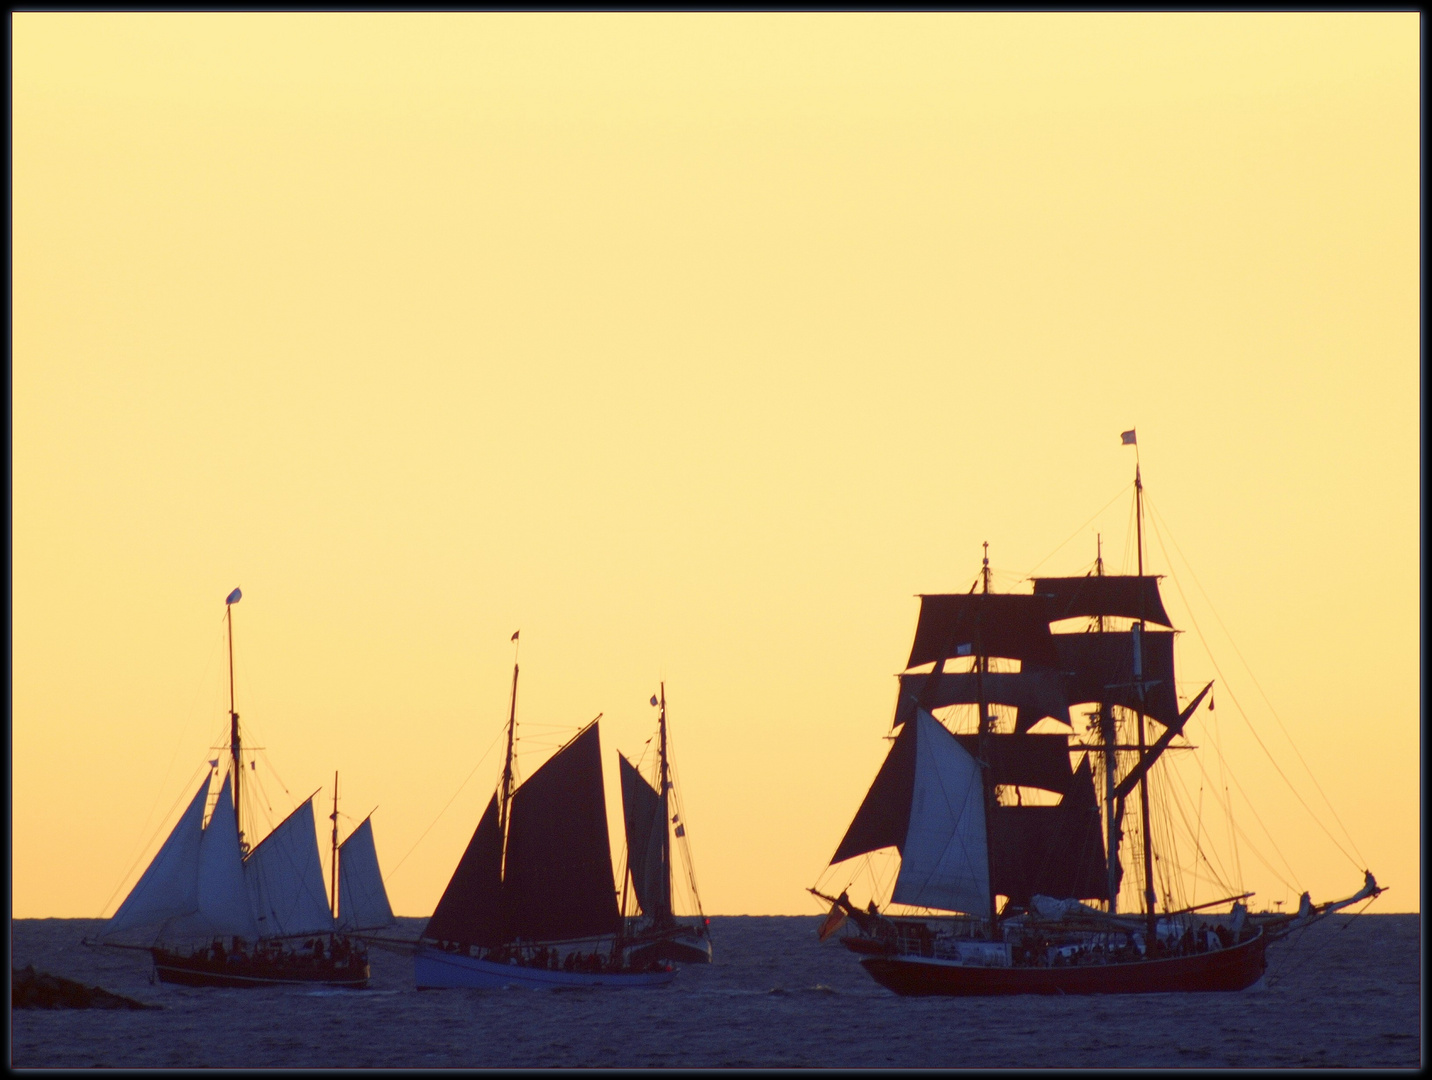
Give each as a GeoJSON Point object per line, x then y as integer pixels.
{"type": "Point", "coordinates": [695, 346]}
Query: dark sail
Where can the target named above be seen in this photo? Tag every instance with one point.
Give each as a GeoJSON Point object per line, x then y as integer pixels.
{"type": "Point", "coordinates": [1101, 668]}
{"type": "Point", "coordinates": [884, 817]}
{"type": "Point", "coordinates": [1035, 693]}
{"type": "Point", "coordinates": [1054, 851]}
{"type": "Point", "coordinates": [1125, 595]}
{"type": "Point", "coordinates": [1012, 625]}
{"type": "Point", "coordinates": [559, 865]}
{"type": "Point", "coordinates": [471, 908]}
{"type": "Point", "coordinates": [641, 809]}
{"type": "Point", "coordinates": [1038, 761]}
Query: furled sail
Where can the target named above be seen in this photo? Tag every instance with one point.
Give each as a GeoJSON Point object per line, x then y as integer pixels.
{"type": "Point", "coordinates": [169, 887]}
{"type": "Point", "coordinates": [223, 897]}
{"type": "Point", "coordinates": [471, 909]}
{"type": "Point", "coordinates": [558, 878]}
{"type": "Point", "coordinates": [1127, 595]}
{"type": "Point", "coordinates": [645, 820]}
{"type": "Point", "coordinates": [285, 879]}
{"type": "Point", "coordinates": [362, 899]}
{"type": "Point", "coordinates": [1012, 625]}
{"type": "Point", "coordinates": [1038, 693]}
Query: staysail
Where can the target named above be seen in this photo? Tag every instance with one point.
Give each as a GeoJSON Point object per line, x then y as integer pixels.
{"type": "Point", "coordinates": [169, 887]}
{"type": "Point", "coordinates": [285, 879]}
{"type": "Point", "coordinates": [223, 900]}
{"type": "Point", "coordinates": [362, 899]}
{"type": "Point", "coordinates": [644, 818]}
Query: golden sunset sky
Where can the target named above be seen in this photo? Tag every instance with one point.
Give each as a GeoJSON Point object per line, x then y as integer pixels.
{"type": "Point", "coordinates": [695, 346]}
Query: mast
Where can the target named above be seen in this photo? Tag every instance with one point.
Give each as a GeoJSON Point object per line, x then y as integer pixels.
{"type": "Point", "coordinates": [234, 748]}
{"type": "Point", "coordinates": [1149, 899]}
{"type": "Point", "coordinates": [504, 807]}
{"type": "Point", "coordinates": [333, 863]}
{"type": "Point", "coordinates": [1108, 736]}
{"type": "Point", "coordinates": [664, 851]}
{"type": "Point", "coordinates": [981, 667]}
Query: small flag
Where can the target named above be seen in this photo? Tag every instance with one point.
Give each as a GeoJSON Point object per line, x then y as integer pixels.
{"type": "Point", "coordinates": [681, 830]}
{"type": "Point", "coordinates": [653, 699]}
{"type": "Point", "coordinates": [1130, 439]}
{"type": "Point", "coordinates": [964, 650]}
{"type": "Point", "coordinates": [833, 922]}
{"type": "Point", "coordinates": [514, 636]}
{"type": "Point", "coordinates": [234, 597]}
{"type": "Point", "coordinates": [214, 764]}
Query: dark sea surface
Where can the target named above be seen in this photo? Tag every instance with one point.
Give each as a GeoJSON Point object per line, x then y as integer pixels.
{"type": "Point", "coordinates": [774, 997]}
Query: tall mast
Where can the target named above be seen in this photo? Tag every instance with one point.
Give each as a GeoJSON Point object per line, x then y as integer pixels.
{"type": "Point", "coordinates": [1138, 633]}
{"type": "Point", "coordinates": [665, 778]}
{"type": "Point", "coordinates": [504, 809]}
{"type": "Point", "coordinates": [234, 748]}
{"type": "Point", "coordinates": [982, 666]}
{"type": "Point", "coordinates": [1107, 736]}
{"type": "Point", "coordinates": [333, 863]}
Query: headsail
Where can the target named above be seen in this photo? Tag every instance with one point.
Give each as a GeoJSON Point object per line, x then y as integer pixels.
{"type": "Point", "coordinates": [641, 806]}
{"type": "Point", "coordinates": [471, 909]}
{"type": "Point", "coordinates": [285, 879]}
{"type": "Point", "coordinates": [223, 899]}
{"type": "Point", "coordinates": [169, 887]}
{"type": "Point", "coordinates": [362, 900]}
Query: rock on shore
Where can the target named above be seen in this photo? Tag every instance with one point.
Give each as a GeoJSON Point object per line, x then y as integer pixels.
{"type": "Point", "coordinates": [31, 989]}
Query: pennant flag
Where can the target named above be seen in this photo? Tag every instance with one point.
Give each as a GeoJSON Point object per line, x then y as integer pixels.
{"type": "Point", "coordinates": [653, 699]}
{"type": "Point", "coordinates": [681, 830]}
{"type": "Point", "coordinates": [833, 922]}
{"type": "Point", "coordinates": [1130, 439]}
{"type": "Point", "coordinates": [234, 597]}
{"type": "Point", "coordinates": [214, 764]}
{"type": "Point", "coordinates": [514, 636]}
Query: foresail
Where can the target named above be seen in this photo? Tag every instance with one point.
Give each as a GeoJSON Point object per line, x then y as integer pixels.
{"type": "Point", "coordinates": [362, 900]}
{"type": "Point", "coordinates": [169, 886]}
{"type": "Point", "coordinates": [223, 899]}
{"type": "Point", "coordinates": [884, 815]}
{"type": "Point", "coordinates": [284, 876]}
{"type": "Point", "coordinates": [944, 861]}
{"type": "Point", "coordinates": [471, 910]}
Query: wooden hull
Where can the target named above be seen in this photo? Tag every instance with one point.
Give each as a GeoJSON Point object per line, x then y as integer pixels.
{"type": "Point", "coordinates": [1234, 968]}
{"type": "Point", "coordinates": [683, 946]}
{"type": "Point", "coordinates": [201, 970]}
{"type": "Point", "coordinates": [435, 969]}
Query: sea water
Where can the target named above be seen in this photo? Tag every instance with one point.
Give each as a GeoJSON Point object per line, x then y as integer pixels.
{"type": "Point", "coordinates": [1345, 993]}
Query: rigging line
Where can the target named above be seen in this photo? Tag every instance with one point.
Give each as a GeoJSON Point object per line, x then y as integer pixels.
{"type": "Point", "coordinates": [1220, 873]}
{"type": "Point", "coordinates": [157, 829]}
{"type": "Point", "coordinates": [389, 875]}
{"type": "Point", "coordinates": [1228, 689]}
{"type": "Point", "coordinates": [1256, 683]}
{"type": "Point", "coordinates": [1077, 531]}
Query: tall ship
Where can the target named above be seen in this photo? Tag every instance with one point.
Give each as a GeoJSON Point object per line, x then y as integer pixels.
{"type": "Point", "coordinates": [213, 911]}
{"type": "Point", "coordinates": [652, 815]}
{"type": "Point", "coordinates": [533, 900]}
{"type": "Point", "coordinates": [1012, 860]}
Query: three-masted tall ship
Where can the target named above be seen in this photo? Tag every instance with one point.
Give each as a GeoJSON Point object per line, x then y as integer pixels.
{"type": "Point", "coordinates": [952, 804]}
{"type": "Point", "coordinates": [212, 911]}
{"type": "Point", "coordinates": [533, 899]}
{"type": "Point", "coordinates": [657, 933]}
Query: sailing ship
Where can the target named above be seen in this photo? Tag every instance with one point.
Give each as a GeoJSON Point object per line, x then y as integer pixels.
{"type": "Point", "coordinates": [213, 911]}
{"type": "Point", "coordinates": [657, 933]}
{"type": "Point", "coordinates": [533, 899]}
{"type": "Point", "coordinates": [952, 804]}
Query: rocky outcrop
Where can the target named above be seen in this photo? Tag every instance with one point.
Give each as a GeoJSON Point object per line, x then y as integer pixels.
{"type": "Point", "coordinates": [31, 989]}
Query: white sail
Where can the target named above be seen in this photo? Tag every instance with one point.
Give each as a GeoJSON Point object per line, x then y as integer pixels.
{"type": "Point", "coordinates": [285, 879]}
{"type": "Point", "coordinates": [362, 900]}
{"type": "Point", "coordinates": [169, 887]}
{"type": "Point", "coordinates": [945, 862]}
{"type": "Point", "coordinates": [223, 899]}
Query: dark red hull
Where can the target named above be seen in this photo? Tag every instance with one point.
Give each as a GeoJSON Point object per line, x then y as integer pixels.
{"type": "Point", "coordinates": [1234, 968]}
{"type": "Point", "coordinates": [202, 970]}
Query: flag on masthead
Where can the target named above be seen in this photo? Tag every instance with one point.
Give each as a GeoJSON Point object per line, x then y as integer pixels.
{"type": "Point", "coordinates": [1130, 439]}
{"type": "Point", "coordinates": [514, 636]}
{"type": "Point", "coordinates": [234, 597]}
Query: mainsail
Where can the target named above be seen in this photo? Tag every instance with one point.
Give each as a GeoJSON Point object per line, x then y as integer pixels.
{"type": "Point", "coordinates": [362, 899]}
{"type": "Point", "coordinates": [555, 881]}
{"type": "Point", "coordinates": [285, 879]}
